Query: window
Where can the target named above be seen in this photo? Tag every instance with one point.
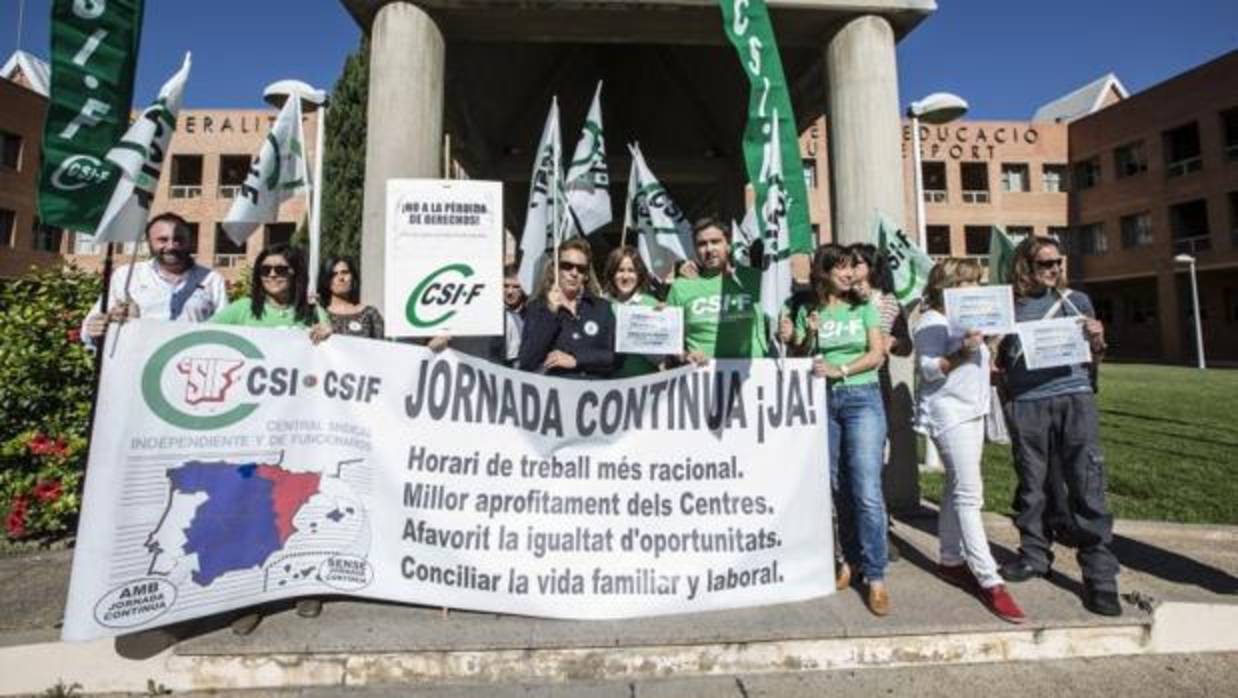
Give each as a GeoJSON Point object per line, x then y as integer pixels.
{"type": "Point", "coordinates": [1059, 232]}
{"type": "Point", "coordinates": [186, 177]}
{"type": "Point", "coordinates": [1129, 160]}
{"type": "Point", "coordinates": [1087, 173]}
{"type": "Point", "coordinates": [1189, 223]}
{"type": "Point", "coordinates": [46, 237]}
{"type": "Point", "coordinates": [816, 232]}
{"type": "Point", "coordinates": [232, 172]}
{"type": "Point", "coordinates": [975, 176]}
{"type": "Point", "coordinates": [1141, 309]}
{"type": "Point", "coordinates": [1018, 232]}
{"type": "Point", "coordinates": [1089, 239]}
{"type": "Point", "coordinates": [1136, 230]}
{"type": "Point", "coordinates": [1229, 125]}
{"type": "Point", "coordinates": [1053, 178]}
{"type": "Point", "coordinates": [976, 239]}
{"type": "Point", "coordinates": [934, 174]}
{"type": "Point", "coordinates": [193, 238]}
{"type": "Point", "coordinates": [1104, 309]}
{"type": "Point", "coordinates": [938, 238]}
{"type": "Point", "coordinates": [1014, 177]}
{"type": "Point", "coordinates": [1182, 153]}
{"type": "Point", "coordinates": [7, 220]}
{"type": "Point", "coordinates": [10, 150]}
{"type": "Point", "coordinates": [228, 254]}
{"type": "Point", "coordinates": [86, 245]}
{"type": "Point", "coordinates": [280, 233]}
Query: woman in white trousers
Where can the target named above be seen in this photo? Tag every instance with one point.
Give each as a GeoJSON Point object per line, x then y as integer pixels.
{"type": "Point", "coordinates": [954, 399]}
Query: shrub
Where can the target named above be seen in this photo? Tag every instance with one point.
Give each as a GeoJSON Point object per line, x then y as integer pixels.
{"type": "Point", "coordinates": [46, 382]}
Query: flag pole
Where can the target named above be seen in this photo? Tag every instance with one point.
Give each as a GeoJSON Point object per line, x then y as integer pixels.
{"type": "Point", "coordinates": [315, 231]}
{"type": "Point", "coordinates": [554, 192]}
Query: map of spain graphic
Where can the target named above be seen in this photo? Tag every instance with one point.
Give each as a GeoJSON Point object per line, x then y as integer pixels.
{"type": "Point", "coordinates": [228, 516]}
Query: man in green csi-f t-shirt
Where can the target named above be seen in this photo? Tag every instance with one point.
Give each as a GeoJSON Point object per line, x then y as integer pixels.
{"type": "Point", "coordinates": [722, 307]}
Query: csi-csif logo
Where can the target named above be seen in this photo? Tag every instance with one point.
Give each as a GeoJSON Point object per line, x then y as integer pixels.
{"type": "Point", "coordinates": [441, 294]}
{"type": "Point", "coordinates": [207, 379]}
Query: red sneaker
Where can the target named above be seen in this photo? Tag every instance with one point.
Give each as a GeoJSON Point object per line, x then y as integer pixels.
{"type": "Point", "coordinates": [959, 576]}
{"type": "Point", "coordinates": [1002, 604]}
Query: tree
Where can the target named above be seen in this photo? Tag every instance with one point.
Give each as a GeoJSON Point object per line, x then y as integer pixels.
{"type": "Point", "coordinates": [344, 167]}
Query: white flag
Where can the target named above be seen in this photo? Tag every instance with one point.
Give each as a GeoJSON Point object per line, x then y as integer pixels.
{"type": "Point", "coordinates": [547, 204]}
{"type": "Point", "coordinates": [743, 236]}
{"type": "Point", "coordinates": [775, 231]}
{"type": "Point", "coordinates": [139, 155]}
{"type": "Point", "coordinates": [588, 182]}
{"type": "Point", "coordinates": [277, 174]}
{"type": "Point", "coordinates": [664, 236]}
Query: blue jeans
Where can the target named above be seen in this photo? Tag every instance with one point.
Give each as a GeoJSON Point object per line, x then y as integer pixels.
{"type": "Point", "coordinates": [857, 425]}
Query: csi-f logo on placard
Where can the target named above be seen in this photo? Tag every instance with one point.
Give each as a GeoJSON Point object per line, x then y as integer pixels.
{"type": "Point", "coordinates": [441, 294]}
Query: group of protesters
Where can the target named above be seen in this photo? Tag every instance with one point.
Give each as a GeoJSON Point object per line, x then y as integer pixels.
{"type": "Point", "coordinates": [846, 319]}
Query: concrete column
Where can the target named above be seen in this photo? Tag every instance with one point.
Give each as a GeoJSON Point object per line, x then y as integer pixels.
{"type": "Point", "coordinates": [866, 177]}
{"type": "Point", "coordinates": [405, 122]}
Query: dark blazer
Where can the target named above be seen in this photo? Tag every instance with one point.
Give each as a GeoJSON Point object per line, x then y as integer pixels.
{"type": "Point", "coordinates": [589, 335]}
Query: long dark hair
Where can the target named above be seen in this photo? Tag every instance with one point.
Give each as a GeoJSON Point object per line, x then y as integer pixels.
{"type": "Point", "coordinates": [328, 272]}
{"type": "Point", "coordinates": [302, 310]}
{"type": "Point", "coordinates": [613, 260]}
{"type": "Point", "coordinates": [828, 256]}
{"type": "Point", "coordinates": [879, 275]}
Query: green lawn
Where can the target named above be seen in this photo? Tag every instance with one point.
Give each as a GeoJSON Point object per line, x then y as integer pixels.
{"type": "Point", "coordinates": [1170, 437]}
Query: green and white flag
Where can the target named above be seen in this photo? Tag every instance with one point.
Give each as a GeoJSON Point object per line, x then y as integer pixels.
{"type": "Point", "coordinates": [663, 234]}
{"type": "Point", "coordinates": [277, 173]}
{"type": "Point", "coordinates": [748, 27]}
{"type": "Point", "coordinates": [909, 264]}
{"type": "Point", "coordinates": [744, 235]}
{"type": "Point", "coordinates": [1001, 254]}
{"type": "Point", "coordinates": [588, 182]}
{"type": "Point", "coordinates": [775, 230]}
{"type": "Point", "coordinates": [545, 221]}
{"type": "Point", "coordinates": [94, 48]}
{"type": "Point", "coordinates": [139, 156]}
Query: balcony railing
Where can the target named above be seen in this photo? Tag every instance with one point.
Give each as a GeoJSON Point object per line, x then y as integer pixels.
{"type": "Point", "coordinates": [976, 196]}
{"type": "Point", "coordinates": [185, 191]}
{"type": "Point", "coordinates": [229, 191]}
{"type": "Point", "coordinates": [1192, 245]}
{"type": "Point", "coordinates": [229, 261]}
{"type": "Point", "coordinates": [1178, 168]}
{"type": "Point", "coordinates": [935, 196]}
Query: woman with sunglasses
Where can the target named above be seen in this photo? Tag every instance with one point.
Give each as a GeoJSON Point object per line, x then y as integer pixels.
{"type": "Point", "coordinates": [1053, 423]}
{"type": "Point", "coordinates": [843, 334]}
{"type": "Point", "coordinates": [954, 391]}
{"type": "Point", "coordinates": [339, 289]}
{"type": "Point", "coordinates": [627, 283]}
{"type": "Point", "coordinates": [569, 328]}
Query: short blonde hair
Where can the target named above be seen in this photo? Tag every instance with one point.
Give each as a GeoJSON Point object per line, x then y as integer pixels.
{"type": "Point", "coordinates": [950, 273]}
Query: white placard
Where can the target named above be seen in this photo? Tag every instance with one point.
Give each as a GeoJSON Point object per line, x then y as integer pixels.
{"type": "Point", "coordinates": [444, 258]}
{"type": "Point", "coordinates": [640, 329]}
{"type": "Point", "coordinates": [232, 466]}
{"type": "Point", "coordinates": [989, 309]}
{"type": "Point", "coordinates": [1052, 343]}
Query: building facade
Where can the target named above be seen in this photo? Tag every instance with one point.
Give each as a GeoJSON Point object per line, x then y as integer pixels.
{"type": "Point", "coordinates": [1155, 177]}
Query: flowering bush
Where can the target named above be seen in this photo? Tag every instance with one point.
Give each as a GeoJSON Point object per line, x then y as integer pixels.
{"type": "Point", "coordinates": [46, 379]}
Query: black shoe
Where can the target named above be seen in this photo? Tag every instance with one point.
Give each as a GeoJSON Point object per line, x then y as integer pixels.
{"type": "Point", "coordinates": [1102, 603]}
{"type": "Point", "coordinates": [1020, 570]}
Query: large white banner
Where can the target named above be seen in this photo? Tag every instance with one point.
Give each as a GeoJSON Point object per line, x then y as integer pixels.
{"type": "Point", "coordinates": [444, 258]}
{"type": "Point", "coordinates": [254, 466]}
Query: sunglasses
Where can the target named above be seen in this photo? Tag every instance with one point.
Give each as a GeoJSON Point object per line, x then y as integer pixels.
{"type": "Point", "coordinates": [581, 269]}
{"type": "Point", "coordinates": [282, 271]}
{"type": "Point", "coordinates": [1047, 264]}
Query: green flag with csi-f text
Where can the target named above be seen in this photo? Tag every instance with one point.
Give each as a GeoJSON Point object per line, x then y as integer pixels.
{"type": "Point", "coordinates": [94, 48]}
{"type": "Point", "coordinates": [908, 264]}
{"type": "Point", "coordinates": [748, 27]}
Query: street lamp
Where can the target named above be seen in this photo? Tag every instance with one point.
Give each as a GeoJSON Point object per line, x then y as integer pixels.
{"type": "Point", "coordinates": [312, 100]}
{"type": "Point", "coordinates": [937, 108]}
{"type": "Point", "coordinates": [1199, 328]}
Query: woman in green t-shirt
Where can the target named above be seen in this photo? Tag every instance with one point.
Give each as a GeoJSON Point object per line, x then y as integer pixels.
{"type": "Point", "coordinates": [626, 282]}
{"type": "Point", "coordinates": [843, 334]}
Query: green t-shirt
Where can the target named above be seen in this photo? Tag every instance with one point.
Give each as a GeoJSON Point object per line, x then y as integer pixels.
{"type": "Point", "coordinates": [632, 365]}
{"type": "Point", "coordinates": [239, 312]}
{"type": "Point", "coordinates": [842, 335]}
{"type": "Point", "coordinates": [722, 314]}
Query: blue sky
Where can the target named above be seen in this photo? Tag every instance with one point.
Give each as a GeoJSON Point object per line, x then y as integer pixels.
{"type": "Point", "coordinates": [1006, 57]}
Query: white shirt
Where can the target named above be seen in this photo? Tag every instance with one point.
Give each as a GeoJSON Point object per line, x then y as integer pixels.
{"type": "Point", "coordinates": [158, 298]}
{"type": "Point", "coordinates": [948, 399]}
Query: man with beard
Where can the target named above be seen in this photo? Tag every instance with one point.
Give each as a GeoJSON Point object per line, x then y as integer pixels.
{"type": "Point", "coordinates": [168, 286]}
